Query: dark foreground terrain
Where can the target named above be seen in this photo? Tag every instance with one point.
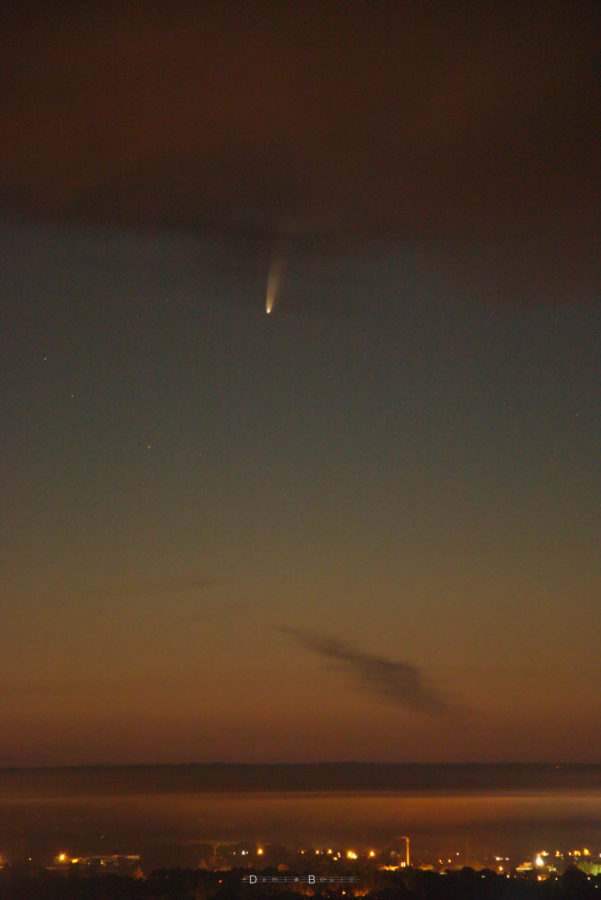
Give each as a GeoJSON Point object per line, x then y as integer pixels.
{"type": "Point", "coordinates": [189, 884]}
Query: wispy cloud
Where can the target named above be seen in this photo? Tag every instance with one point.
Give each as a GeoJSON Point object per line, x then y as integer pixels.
{"type": "Point", "coordinates": [157, 588]}
{"type": "Point", "coordinates": [151, 589]}
{"type": "Point", "coordinates": [399, 683]}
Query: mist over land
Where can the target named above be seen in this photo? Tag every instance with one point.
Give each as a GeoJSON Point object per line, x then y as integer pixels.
{"type": "Point", "coordinates": [168, 814]}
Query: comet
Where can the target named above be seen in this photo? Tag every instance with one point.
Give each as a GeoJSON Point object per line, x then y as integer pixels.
{"type": "Point", "coordinates": [274, 279]}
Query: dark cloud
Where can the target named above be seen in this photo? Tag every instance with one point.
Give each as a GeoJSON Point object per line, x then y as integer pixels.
{"type": "Point", "coordinates": [461, 126]}
{"type": "Point", "coordinates": [399, 683]}
{"type": "Point", "coordinates": [423, 122]}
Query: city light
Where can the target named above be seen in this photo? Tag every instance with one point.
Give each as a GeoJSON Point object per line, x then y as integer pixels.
{"type": "Point", "coordinates": [541, 865]}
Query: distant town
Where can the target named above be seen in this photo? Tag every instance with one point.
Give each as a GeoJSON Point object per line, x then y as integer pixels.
{"type": "Point", "coordinates": [396, 855]}
{"type": "Point", "coordinates": [218, 832]}
{"type": "Point", "coordinates": [230, 869]}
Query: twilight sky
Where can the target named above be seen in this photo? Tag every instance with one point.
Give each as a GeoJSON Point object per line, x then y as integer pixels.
{"type": "Point", "coordinates": [367, 525]}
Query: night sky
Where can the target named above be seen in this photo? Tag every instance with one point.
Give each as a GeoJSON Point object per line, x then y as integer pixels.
{"type": "Point", "coordinates": [365, 526]}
